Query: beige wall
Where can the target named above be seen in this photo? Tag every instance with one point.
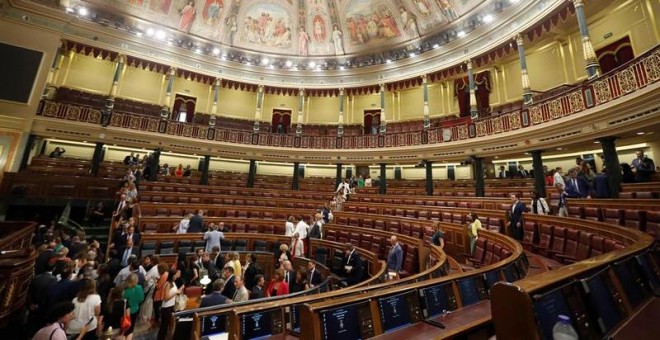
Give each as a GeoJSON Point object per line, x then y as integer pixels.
{"type": "Point", "coordinates": [237, 104]}
{"type": "Point", "coordinates": [142, 85]}
{"type": "Point", "coordinates": [89, 74]}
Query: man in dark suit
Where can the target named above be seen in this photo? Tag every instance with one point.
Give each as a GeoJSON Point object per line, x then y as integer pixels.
{"type": "Point", "coordinates": [352, 265]}
{"type": "Point", "coordinates": [314, 276]}
{"type": "Point", "coordinates": [216, 298]}
{"type": "Point", "coordinates": [128, 251]}
{"type": "Point", "coordinates": [315, 231]}
{"type": "Point", "coordinates": [516, 219]}
{"type": "Point", "coordinates": [289, 274]}
{"type": "Point", "coordinates": [522, 173]}
{"type": "Point", "coordinates": [257, 291]}
{"type": "Point", "coordinates": [253, 269]}
{"type": "Point", "coordinates": [41, 265]}
{"type": "Point", "coordinates": [63, 290]}
{"type": "Point", "coordinates": [196, 223]}
{"type": "Point", "coordinates": [576, 186]}
{"type": "Point", "coordinates": [503, 173]}
{"type": "Point", "coordinates": [601, 185]}
{"type": "Point", "coordinates": [37, 302]}
{"type": "Point", "coordinates": [230, 282]}
{"type": "Point", "coordinates": [395, 257]}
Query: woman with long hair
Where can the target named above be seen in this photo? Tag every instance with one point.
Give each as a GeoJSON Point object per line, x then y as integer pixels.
{"type": "Point", "coordinates": [169, 298]}
{"type": "Point", "coordinates": [159, 292]}
{"type": "Point", "coordinates": [134, 296]}
{"type": "Point", "coordinates": [114, 310]}
{"type": "Point", "coordinates": [87, 307]}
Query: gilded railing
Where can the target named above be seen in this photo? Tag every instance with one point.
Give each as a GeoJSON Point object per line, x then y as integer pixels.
{"type": "Point", "coordinates": [636, 75]}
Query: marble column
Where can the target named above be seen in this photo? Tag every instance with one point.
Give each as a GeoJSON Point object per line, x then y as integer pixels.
{"type": "Point", "coordinates": [593, 69]}
{"type": "Point", "coordinates": [478, 174]}
{"type": "Point", "coordinates": [474, 111]}
{"type": "Point", "coordinates": [257, 114]}
{"type": "Point", "coordinates": [165, 110]}
{"type": "Point", "coordinates": [383, 124]}
{"type": "Point", "coordinates": [612, 165]}
{"type": "Point", "coordinates": [216, 97]}
{"type": "Point", "coordinates": [106, 113]}
{"type": "Point", "coordinates": [539, 175]}
{"type": "Point", "coordinates": [382, 181]}
{"type": "Point", "coordinates": [425, 90]}
{"type": "Point", "coordinates": [295, 184]}
{"type": "Point", "coordinates": [340, 122]}
{"type": "Point", "coordinates": [26, 152]}
{"type": "Point", "coordinates": [204, 180]}
{"type": "Point", "coordinates": [97, 158]}
{"type": "Point", "coordinates": [301, 107]}
{"type": "Point", "coordinates": [252, 173]}
{"type": "Point", "coordinates": [527, 91]}
{"type": "Point", "coordinates": [50, 89]}
{"type": "Point", "coordinates": [429, 177]}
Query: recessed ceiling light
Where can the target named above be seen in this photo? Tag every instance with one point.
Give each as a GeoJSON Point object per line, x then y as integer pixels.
{"type": "Point", "coordinates": [341, 68]}
{"type": "Point", "coordinates": [83, 11]}
{"type": "Point", "coordinates": [488, 18]}
{"type": "Point", "coordinates": [559, 149]}
{"type": "Point", "coordinates": [389, 61]}
{"type": "Point", "coordinates": [271, 66]}
{"type": "Point", "coordinates": [288, 63]}
{"type": "Point", "coordinates": [596, 142]}
{"type": "Point", "coordinates": [70, 10]}
{"type": "Point", "coordinates": [312, 64]}
{"type": "Point", "coordinates": [216, 51]}
{"type": "Point", "coordinates": [265, 61]}
{"type": "Point", "coordinates": [198, 50]}
{"type": "Point", "coordinates": [160, 35]}
{"type": "Point", "coordinates": [460, 34]}
{"type": "Point", "coordinates": [138, 33]}
{"type": "Point", "coordinates": [169, 42]}
{"type": "Point", "coordinates": [150, 32]}
{"type": "Point", "coordinates": [436, 46]}
{"type": "Point", "coordinates": [514, 1]}
{"type": "Point", "coordinates": [640, 133]}
{"type": "Point", "coordinates": [412, 54]}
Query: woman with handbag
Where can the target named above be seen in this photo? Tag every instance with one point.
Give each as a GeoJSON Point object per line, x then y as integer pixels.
{"type": "Point", "coordinates": [134, 296]}
{"type": "Point", "coordinates": [169, 298]}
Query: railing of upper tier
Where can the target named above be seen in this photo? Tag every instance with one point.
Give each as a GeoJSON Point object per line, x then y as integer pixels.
{"type": "Point", "coordinates": [637, 74]}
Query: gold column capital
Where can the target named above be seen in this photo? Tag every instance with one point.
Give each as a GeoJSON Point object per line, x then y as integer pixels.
{"type": "Point", "coordinates": [578, 3]}
{"type": "Point", "coordinates": [469, 64]}
{"type": "Point", "coordinates": [519, 39]}
{"type": "Point", "coordinates": [425, 78]}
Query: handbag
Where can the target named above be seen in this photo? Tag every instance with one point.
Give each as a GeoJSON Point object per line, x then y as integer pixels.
{"type": "Point", "coordinates": [180, 302]}
{"type": "Point", "coordinates": [126, 319]}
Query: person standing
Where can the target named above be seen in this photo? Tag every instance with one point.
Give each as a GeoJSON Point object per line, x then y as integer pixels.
{"type": "Point", "coordinates": [437, 238]}
{"type": "Point", "coordinates": [563, 209]}
{"type": "Point", "coordinates": [134, 296]}
{"type": "Point", "coordinates": [516, 219]}
{"type": "Point", "coordinates": [241, 294]}
{"type": "Point", "coordinates": [289, 227]}
{"type": "Point", "coordinates": [59, 319]}
{"type": "Point", "coordinates": [394, 258]}
{"type": "Point", "coordinates": [643, 166]}
{"type": "Point", "coordinates": [473, 229]}
{"type": "Point", "coordinates": [196, 222]}
{"type": "Point", "coordinates": [169, 298]}
{"type": "Point", "coordinates": [352, 265]}
{"type": "Point", "coordinates": [315, 231]}
{"type": "Point", "coordinates": [539, 205]}
{"type": "Point", "coordinates": [212, 238]}
{"type": "Point", "coordinates": [215, 298]}
{"type": "Point", "coordinates": [87, 311]}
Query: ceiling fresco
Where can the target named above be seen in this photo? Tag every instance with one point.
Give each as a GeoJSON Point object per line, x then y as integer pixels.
{"type": "Point", "coordinates": [298, 28]}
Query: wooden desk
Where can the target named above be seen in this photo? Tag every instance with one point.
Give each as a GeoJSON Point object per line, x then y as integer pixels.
{"type": "Point", "coordinates": [643, 324]}
{"type": "Point", "coordinates": [464, 321]}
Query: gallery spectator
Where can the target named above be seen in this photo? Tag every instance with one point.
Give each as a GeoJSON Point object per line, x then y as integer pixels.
{"type": "Point", "coordinates": [643, 167]}
{"type": "Point", "coordinates": [57, 153]}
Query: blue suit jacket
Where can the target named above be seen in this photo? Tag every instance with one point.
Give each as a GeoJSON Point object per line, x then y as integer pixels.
{"type": "Point", "coordinates": [213, 299]}
{"type": "Point", "coordinates": [395, 258]}
{"type": "Point", "coordinates": [582, 186]}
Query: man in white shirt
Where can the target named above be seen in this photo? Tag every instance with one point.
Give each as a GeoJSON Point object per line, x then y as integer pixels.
{"type": "Point", "coordinates": [126, 271]}
{"type": "Point", "coordinates": [302, 228]}
{"type": "Point", "coordinates": [289, 227]}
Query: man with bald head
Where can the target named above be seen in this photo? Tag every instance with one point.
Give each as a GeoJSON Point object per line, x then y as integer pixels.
{"type": "Point", "coordinates": [395, 256]}
{"type": "Point", "coordinates": [241, 293]}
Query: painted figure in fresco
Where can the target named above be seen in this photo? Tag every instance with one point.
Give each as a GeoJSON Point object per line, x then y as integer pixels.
{"type": "Point", "coordinates": [213, 8]}
{"type": "Point", "coordinates": [233, 27]}
{"type": "Point", "coordinates": [319, 29]}
{"type": "Point", "coordinates": [162, 6]}
{"type": "Point", "coordinates": [423, 6]}
{"type": "Point", "coordinates": [447, 9]}
{"type": "Point", "coordinates": [303, 42]}
{"type": "Point", "coordinates": [187, 16]}
{"type": "Point", "coordinates": [409, 23]}
{"type": "Point", "coordinates": [369, 27]}
{"type": "Point", "coordinates": [337, 41]}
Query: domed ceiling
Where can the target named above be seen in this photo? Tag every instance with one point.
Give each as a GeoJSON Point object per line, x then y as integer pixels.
{"type": "Point", "coordinates": [299, 28]}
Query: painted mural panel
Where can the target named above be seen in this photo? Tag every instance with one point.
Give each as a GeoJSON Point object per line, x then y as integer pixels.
{"type": "Point", "coordinates": [298, 27]}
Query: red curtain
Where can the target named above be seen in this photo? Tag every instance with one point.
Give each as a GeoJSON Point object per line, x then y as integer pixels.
{"type": "Point", "coordinates": [615, 54]}
{"type": "Point", "coordinates": [371, 118]}
{"type": "Point", "coordinates": [281, 117]}
{"type": "Point", "coordinates": [189, 102]}
{"type": "Point", "coordinates": [462, 93]}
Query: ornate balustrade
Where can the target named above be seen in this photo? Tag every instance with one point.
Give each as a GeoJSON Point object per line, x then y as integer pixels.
{"type": "Point", "coordinates": [637, 74]}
